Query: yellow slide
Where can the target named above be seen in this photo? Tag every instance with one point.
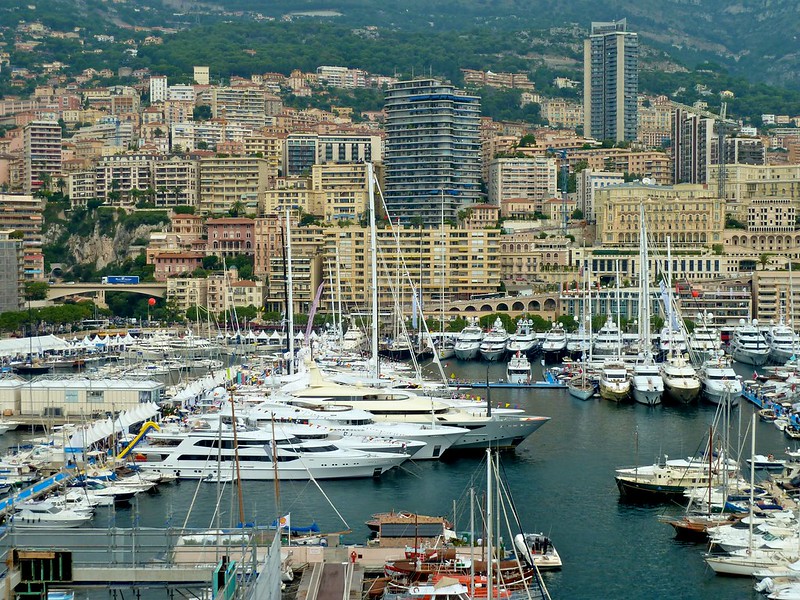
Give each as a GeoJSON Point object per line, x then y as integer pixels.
{"type": "Point", "coordinates": [146, 426]}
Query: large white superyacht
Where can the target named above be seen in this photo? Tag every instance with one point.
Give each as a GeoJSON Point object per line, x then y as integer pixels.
{"type": "Point", "coordinates": [260, 455]}
{"type": "Point", "coordinates": [488, 427]}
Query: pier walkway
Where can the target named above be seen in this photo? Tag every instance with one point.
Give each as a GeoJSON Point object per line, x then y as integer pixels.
{"type": "Point", "coordinates": [38, 489]}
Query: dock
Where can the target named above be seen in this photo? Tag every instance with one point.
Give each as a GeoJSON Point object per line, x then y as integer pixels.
{"type": "Point", "coordinates": [39, 488]}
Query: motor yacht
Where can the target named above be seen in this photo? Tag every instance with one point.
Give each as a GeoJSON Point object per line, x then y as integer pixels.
{"type": "Point", "coordinates": [608, 339]}
{"type": "Point", "coordinates": [615, 381]}
{"type": "Point", "coordinates": [518, 369]}
{"type": "Point", "coordinates": [524, 339]}
{"type": "Point", "coordinates": [488, 426]}
{"type": "Point", "coordinates": [720, 381]}
{"type": "Point", "coordinates": [493, 346]}
{"type": "Point", "coordinates": [468, 342]}
{"type": "Point", "coordinates": [704, 341]}
{"type": "Point", "coordinates": [554, 346]}
{"type": "Point", "coordinates": [648, 386]}
{"type": "Point", "coordinates": [748, 345]}
{"type": "Point", "coordinates": [353, 422]}
{"type": "Point", "coordinates": [681, 382]}
{"type": "Point", "coordinates": [783, 342]}
{"type": "Point", "coordinates": [260, 454]}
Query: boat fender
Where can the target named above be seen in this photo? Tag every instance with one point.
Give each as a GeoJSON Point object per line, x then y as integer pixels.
{"type": "Point", "coordinates": [353, 556]}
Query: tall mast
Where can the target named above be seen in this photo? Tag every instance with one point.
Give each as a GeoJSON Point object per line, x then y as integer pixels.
{"type": "Point", "coordinates": [489, 517]}
{"type": "Point", "coordinates": [644, 288]}
{"type": "Point", "coordinates": [373, 239]}
{"type": "Point", "coordinates": [289, 294]}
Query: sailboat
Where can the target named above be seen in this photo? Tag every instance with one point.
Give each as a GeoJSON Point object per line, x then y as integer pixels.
{"type": "Point", "coordinates": [581, 386]}
{"type": "Point", "coordinates": [745, 562]}
{"type": "Point", "coordinates": [681, 382]}
{"type": "Point", "coordinates": [648, 386]}
{"type": "Point", "coordinates": [615, 381]}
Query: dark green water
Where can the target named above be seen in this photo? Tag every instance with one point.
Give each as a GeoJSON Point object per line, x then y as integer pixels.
{"type": "Point", "coordinates": [562, 480]}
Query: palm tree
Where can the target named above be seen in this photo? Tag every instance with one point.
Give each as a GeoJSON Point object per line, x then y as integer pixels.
{"type": "Point", "coordinates": [764, 259]}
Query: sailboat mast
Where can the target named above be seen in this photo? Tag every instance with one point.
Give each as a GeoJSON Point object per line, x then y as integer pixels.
{"type": "Point", "coordinates": [340, 331]}
{"type": "Point", "coordinates": [289, 293]}
{"type": "Point", "coordinates": [619, 314]}
{"type": "Point", "coordinates": [644, 287]}
{"type": "Point", "coordinates": [373, 239]}
{"type": "Point", "coordinates": [489, 516]}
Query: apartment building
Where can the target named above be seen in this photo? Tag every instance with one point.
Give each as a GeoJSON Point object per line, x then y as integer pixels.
{"type": "Point", "coordinates": [170, 264]}
{"type": "Point", "coordinates": [243, 105]}
{"type": "Point", "coordinates": [303, 150]}
{"type": "Point", "coordinates": [158, 89]}
{"type": "Point", "coordinates": [342, 77]}
{"type": "Point", "coordinates": [122, 180]}
{"type": "Point", "coordinates": [587, 182]}
{"type": "Point", "coordinates": [535, 178]}
{"type": "Point", "coordinates": [444, 263]}
{"type": "Point", "coordinates": [12, 290]}
{"type": "Point", "coordinates": [175, 181]}
{"type": "Point", "coordinates": [306, 262]}
{"type": "Point", "coordinates": [232, 180]}
{"type": "Point", "coordinates": [42, 155]}
{"type": "Point", "coordinates": [25, 214]}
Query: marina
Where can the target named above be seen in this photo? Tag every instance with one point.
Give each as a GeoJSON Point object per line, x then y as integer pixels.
{"type": "Point", "coordinates": [542, 470]}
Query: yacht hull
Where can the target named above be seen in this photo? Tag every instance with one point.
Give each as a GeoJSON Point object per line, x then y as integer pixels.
{"type": "Point", "coordinates": [467, 352]}
{"type": "Point", "coordinates": [581, 392]}
{"type": "Point", "coordinates": [615, 393]}
{"type": "Point", "coordinates": [493, 355]}
{"type": "Point", "coordinates": [717, 396]}
{"type": "Point", "coordinates": [644, 491]}
{"type": "Point", "coordinates": [647, 396]}
{"type": "Point", "coordinates": [499, 433]}
{"type": "Point", "coordinates": [750, 358]}
{"type": "Point", "coordinates": [680, 391]}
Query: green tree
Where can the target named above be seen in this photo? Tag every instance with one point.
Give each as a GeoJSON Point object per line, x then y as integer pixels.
{"type": "Point", "coordinates": [36, 290]}
{"type": "Point", "coordinates": [763, 260]}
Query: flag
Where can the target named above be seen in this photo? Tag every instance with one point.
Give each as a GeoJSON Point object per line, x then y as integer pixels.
{"type": "Point", "coordinates": [283, 522]}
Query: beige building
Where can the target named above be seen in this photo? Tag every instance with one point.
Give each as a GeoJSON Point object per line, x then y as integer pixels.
{"type": "Point", "coordinates": [562, 113]}
{"type": "Point", "coordinates": [456, 263]}
{"type": "Point", "coordinates": [225, 181]}
{"type": "Point", "coordinates": [534, 177]}
{"type": "Point", "coordinates": [25, 213]}
{"type": "Point", "coordinates": [743, 182]}
{"type": "Point", "coordinates": [187, 292]}
{"type": "Point", "coordinates": [772, 296]}
{"type": "Point", "coordinates": [175, 181]}
{"type": "Point", "coordinates": [42, 155]}
{"type": "Point", "coordinates": [481, 216]}
{"type": "Point", "coordinates": [651, 164]}
{"type": "Point", "coordinates": [685, 213]}
{"type": "Point", "coordinates": [526, 258]}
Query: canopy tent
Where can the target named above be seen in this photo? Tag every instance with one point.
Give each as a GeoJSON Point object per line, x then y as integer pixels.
{"type": "Point", "coordinates": [36, 345]}
{"type": "Point", "coordinates": [100, 430]}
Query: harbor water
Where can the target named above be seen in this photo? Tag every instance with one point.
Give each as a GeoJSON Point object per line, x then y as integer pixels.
{"type": "Point", "coordinates": [561, 479]}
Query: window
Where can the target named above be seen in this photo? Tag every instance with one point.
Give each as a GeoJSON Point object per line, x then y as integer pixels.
{"type": "Point", "coordinates": [95, 396]}
{"type": "Point", "coordinates": [70, 395]}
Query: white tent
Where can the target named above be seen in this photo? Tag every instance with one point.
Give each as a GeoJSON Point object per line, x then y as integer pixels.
{"type": "Point", "coordinates": [36, 345]}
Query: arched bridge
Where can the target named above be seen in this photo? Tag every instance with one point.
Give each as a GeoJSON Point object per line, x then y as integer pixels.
{"type": "Point", "coordinates": [546, 305]}
{"type": "Point", "coordinates": [62, 290]}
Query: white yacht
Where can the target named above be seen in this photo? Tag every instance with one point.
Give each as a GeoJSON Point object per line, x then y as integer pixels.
{"type": "Point", "coordinates": [671, 339]}
{"type": "Point", "coordinates": [608, 340]}
{"type": "Point", "coordinates": [518, 369]}
{"type": "Point", "coordinates": [720, 381]}
{"type": "Point", "coordinates": [468, 342]}
{"type": "Point", "coordinates": [261, 456]}
{"type": "Point", "coordinates": [524, 339]}
{"type": "Point", "coordinates": [648, 386]}
{"type": "Point", "coordinates": [704, 341]}
{"type": "Point", "coordinates": [615, 381]}
{"type": "Point", "coordinates": [354, 339]}
{"type": "Point", "coordinates": [493, 346]}
{"type": "Point", "coordinates": [488, 426]}
{"type": "Point", "coordinates": [783, 342]}
{"type": "Point", "coordinates": [554, 345]}
{"type": "Point", "coordinates": [681, 382]}
{"type": "Point", "coordinates": [47, 515]}
{"type": "Point", "coordinates": [352, 422]}
{"type": "Point", "coordinates": [748, 345]}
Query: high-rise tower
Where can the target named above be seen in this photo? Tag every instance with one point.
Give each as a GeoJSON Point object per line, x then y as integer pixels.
{"type": "Point", "coordinates": [610, 82]}
{"type": "Point", "coordinates": [433, 151]}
